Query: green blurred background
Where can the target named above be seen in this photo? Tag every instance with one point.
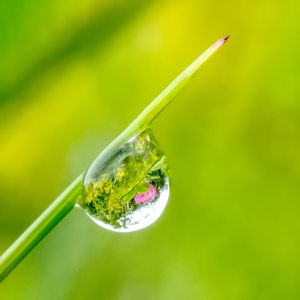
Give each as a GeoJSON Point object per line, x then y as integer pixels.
{"type": "Point", "coordinates": [73, 74]}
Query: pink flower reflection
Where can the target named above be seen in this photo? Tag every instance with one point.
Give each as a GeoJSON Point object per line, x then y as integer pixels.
{"type": "Point", "coordinates": [140, 198]}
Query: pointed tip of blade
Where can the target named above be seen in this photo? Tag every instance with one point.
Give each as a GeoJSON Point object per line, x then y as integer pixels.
{"type": "Point", "coordinates": [225, 38]}
{"type": "Point", "coordinates": [221, 41]}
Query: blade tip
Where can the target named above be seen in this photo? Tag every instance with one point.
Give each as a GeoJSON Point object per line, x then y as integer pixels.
{"type": "Point", "coordinates": [224, 39]}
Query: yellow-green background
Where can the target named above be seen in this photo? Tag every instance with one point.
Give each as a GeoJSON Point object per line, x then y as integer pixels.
{"type": "Point", "coordinates": [74, 73]}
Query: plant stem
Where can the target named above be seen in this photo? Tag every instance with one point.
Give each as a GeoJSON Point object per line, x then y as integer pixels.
{"type": "Point", "coordinates": [67, 200]}
{"type": "Point", "coordinates": [40, 228]}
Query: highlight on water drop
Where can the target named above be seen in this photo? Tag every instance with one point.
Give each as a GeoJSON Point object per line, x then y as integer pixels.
{"type": "Point", "coordinates": [128, 190]}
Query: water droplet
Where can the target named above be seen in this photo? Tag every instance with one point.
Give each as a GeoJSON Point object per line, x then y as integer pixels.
{"type": "Point", "coordinates": [128, 190]}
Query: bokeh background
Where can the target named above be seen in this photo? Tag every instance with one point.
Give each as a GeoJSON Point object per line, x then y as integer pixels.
{"type": "Point", "coordinates": [73, 74]}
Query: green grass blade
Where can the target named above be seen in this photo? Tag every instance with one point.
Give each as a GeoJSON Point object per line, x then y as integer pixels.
{"type": "Point", "coordinates": [67, 200]}
{"type": "Point", "coordinates": [162, 100]}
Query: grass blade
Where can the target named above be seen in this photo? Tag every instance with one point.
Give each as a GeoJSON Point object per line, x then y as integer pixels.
{"type": "Point", "coordinates": [67, 200]}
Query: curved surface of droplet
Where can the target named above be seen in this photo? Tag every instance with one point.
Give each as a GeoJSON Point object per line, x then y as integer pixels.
{"type": "Point", "coordinates": [129, 190]}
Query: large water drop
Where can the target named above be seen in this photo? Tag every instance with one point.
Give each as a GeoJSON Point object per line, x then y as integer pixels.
{"type": "Point", "coordinates": [128, 190]}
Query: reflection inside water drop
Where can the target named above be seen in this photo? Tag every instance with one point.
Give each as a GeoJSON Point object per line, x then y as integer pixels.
{"type": "Point", "coordinates": [128, 190]}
